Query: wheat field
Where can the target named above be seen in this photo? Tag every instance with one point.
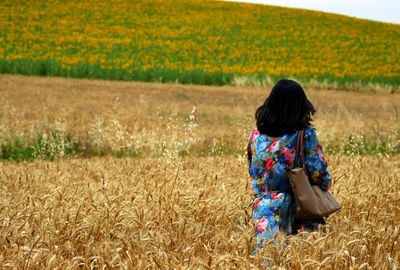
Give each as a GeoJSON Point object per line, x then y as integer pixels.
{"type": "Point", "coordinates": [162, 209]}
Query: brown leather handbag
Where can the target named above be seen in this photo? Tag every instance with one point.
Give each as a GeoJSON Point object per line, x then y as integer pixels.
{"type": "Point", "coordinates": [311, 201]}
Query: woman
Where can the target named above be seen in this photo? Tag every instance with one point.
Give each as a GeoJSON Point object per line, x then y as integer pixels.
{"type": "Point", "coordinates": [271, 149]}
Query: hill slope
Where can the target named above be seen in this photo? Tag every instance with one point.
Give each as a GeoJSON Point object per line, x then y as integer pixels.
{"type": "Point", "coordinates": [204, 42]}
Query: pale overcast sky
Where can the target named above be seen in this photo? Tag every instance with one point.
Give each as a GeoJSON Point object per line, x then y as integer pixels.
{"type": "Point", "coordinates": [378, 10]}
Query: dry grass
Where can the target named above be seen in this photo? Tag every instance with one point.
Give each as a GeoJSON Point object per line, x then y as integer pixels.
{"type": "Point", "coordinates": [152, 117]}
{"type": "Point", "coordinates": [168, 212]}
{"type": "Point", "coordinates": [192, 213]}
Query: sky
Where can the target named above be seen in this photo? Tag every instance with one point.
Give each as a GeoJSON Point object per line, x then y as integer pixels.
{"type": "Point", "coordinates": [378, 10]}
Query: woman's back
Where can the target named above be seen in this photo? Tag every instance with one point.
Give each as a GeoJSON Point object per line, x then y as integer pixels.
{"type": "Point", "coordinates": [270, 156]}
{"type": "Point", "coordinates": [273, 207]}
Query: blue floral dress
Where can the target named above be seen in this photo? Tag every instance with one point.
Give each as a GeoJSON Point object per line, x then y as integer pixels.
{"type": "Point", "coordinates": [273, 206]}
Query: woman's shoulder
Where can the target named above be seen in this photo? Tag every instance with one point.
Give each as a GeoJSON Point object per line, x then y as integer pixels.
{"type": "Point", "coordinates": [310, 137]}
{"type": "Point", "coordinates": [253, 135]}
{"type": "Point", "coordinates": [309, 132]}
{"type": "Point", "coordinates": [257, 137]}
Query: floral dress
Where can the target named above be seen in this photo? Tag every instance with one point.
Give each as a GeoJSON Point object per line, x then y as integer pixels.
{"type": "Point", "coordinates": [273, 206]}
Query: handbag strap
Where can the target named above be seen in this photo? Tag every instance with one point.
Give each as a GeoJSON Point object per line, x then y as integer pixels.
{"type": "Point", "coordinates": [300, 148]}
{"type": "Point", "coordinates": [296, 158]}
{"type": "Point", "coordinates": [303, 158]}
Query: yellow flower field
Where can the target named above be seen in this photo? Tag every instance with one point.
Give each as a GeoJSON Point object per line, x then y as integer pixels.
{"type": "Point", "coordinates": [206, 42]}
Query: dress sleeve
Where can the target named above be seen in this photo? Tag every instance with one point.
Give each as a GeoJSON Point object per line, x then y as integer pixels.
{"type": "Point", "coordinates": [315, 161]}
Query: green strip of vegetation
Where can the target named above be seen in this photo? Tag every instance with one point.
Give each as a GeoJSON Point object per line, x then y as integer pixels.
{"type": "Point", "coordinates": [54, 68]}
{"type": "Point", "coordinates": [57, 145]}
{"type": "Point", "coordinates": [322, 81]}
{"type": "Point", "coordinates": [361, 145]}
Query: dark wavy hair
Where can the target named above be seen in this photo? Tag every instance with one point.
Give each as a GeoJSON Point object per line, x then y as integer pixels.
{"type": "Point", "coordinates": [286, 110]}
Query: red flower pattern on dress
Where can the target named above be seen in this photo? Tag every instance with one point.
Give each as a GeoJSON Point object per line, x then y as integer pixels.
{"type": "Point", "coordinates": [269, 163]}
{"type": "Point", "coordinates": [262, 224]}
{"type": "Point", "coordinates": [290, 154]}
{"type": "Point", "coordinates": [256, 203]}
{"type": "Point", "coordinates": [274, 196]}
{"type": "Point", "coordinates": [274, 146]}
{"type": "Point", "coordinates": [320, 153]}
{"type": "Point", "coordinates": [255, 134]}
